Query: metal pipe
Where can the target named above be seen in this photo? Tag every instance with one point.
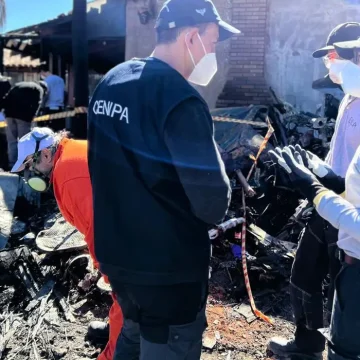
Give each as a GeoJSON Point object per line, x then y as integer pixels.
{"type": "Point", "coordinates": [247, 188]}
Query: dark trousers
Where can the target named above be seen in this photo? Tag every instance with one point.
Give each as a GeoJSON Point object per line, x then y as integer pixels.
{"type": "Point", "coordinates": [15, 130]}
{"type": "Point", "coordinates": [345, 321]}
{"type": "Point", "coordinates": [316, 257]}
{"type": "Point", "coordinates": [161, 322]}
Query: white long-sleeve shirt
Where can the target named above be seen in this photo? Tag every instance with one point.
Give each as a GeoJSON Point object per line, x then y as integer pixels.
{"type": "Point", "coordinates": [344, 213]}
{"type": "Point", "coordinates": [346, 138]}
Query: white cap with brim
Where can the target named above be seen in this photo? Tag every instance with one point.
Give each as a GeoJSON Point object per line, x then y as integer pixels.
{"type": "Point", "coordinates": [27, 145]}
{"type": "Point", "coordinates": [354, 44]}
{"type": "Point", "coordinates": [348, 31]}
{"type": "Point", "coordinates": [345, 49]}
{"type": "Point", "coordinates": [323, 51]}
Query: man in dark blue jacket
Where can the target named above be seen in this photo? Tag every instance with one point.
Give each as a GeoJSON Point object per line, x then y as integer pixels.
{"type": "Point", "coordinates": [21, 104]}
{"type": "Point", "coordinates": [158, 181]}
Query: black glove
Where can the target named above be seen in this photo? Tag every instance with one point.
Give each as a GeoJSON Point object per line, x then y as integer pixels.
{"type": "Point", "coordinates": [302, 178]}
{"type": "Point", "coordinates": [321, 169]}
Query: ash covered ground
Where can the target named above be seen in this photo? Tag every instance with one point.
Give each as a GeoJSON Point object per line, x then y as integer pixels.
{"type": "Point", "coordinates": [49, 294]}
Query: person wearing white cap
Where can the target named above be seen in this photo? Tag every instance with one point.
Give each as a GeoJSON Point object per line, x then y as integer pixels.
{"type": "Point", "coordinates": [30, 148]}
{"type": "Point", "coordinates": [21, 104]}
{"type": "Point", "coordinates": [316, 253]}
{"type": "Point", "coordinates": [55, 159]}
{"type": "Point", "coordinates": [316, 180]}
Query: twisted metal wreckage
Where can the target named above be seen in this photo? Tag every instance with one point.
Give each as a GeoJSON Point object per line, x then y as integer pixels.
{"type": "Point", "coordinates": [43, 261]}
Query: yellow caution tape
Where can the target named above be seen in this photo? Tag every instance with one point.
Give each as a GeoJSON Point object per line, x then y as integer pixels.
{"type": "Point", "coordinates": [84, 110]}
{"type": "Point", "coordinates": [56, 116]}
{"type": "Point", "coordinates": [239, 121]}
{"type": "Point", "coordinates": [62, 115]}
{"type": "Point", "coordinates": [256, 312]}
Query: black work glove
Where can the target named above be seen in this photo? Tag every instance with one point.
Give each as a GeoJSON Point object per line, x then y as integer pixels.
{"type": "Point", "coordinates": [321, 169]}
{"type": "Point", "coordinates": [302, 178]}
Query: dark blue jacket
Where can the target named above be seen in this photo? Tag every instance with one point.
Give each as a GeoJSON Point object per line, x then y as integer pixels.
{"type": "Point", "coordinates": [147, 230]}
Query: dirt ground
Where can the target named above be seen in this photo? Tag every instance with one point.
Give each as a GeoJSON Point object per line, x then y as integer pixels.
{"type": "Point", "coordinates": [56, 326]}
{"type": "Point", "coordinates": [44, 333]}
{"type": "Point", "coordinates": [228, 332]}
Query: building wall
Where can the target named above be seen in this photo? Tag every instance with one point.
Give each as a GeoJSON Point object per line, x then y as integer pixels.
{"type": "Point", "coordinates": [140, 42]}
{"type": "Point", "coordinates": [245, 79]}
{"type": "Point", "coordinates": [274, 49]}
{"type": "Point", "coordinates": [25, 74]}
{"type": "Point", "coordinates": [295, 30]}
{"type": "Point", "coordinates": [240, 76]}
{"type": "Point", "coordinates": [106, 18]}
{"type": "Point", "coordinates": [140, 39]}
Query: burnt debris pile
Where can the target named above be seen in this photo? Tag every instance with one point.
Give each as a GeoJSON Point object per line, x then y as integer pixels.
{"type": "Point", "coordinates": [47, 279]}
{"type": "Point", "coordinates": [275, 212]}
{"type": "Point", "coordinates": [48, 286]}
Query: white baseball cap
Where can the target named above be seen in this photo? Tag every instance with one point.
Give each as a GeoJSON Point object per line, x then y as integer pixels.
{"type": "Point", "coordinates": [36, 140]}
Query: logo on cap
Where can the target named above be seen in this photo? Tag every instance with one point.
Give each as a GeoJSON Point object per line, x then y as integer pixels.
{"type": "Point", "coordinates": [201, 11]}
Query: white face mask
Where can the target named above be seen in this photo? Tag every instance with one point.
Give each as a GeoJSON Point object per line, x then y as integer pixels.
{"type": "Point", "coordinates": [346, 74]}
{"type": "Point", "coordinates": [205, 69]}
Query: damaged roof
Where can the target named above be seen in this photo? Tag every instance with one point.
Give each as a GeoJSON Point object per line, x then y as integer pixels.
{"type": "Point", "coordinates": [106, 31]}
{"type": "Point", "coordinates": [15, 59]}
{"type": "Point", "coordinates": [62, 18]}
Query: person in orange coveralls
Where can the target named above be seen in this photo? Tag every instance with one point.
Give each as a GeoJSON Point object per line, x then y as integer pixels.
{"type": "Point", "coordinates": [55, 159]}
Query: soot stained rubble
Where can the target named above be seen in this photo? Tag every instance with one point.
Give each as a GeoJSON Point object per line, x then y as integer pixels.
{"type": "Point", "coordinates": [49, 289]}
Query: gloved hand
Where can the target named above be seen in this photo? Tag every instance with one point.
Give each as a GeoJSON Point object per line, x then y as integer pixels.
{"type": "Point", "coordinates": [303, 179]}
{"type": "Point", "coordinates": [321, 169]}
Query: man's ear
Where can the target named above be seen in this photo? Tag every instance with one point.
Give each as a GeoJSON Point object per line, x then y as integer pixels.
{"type": "Point", "coordinates": [47, 155]}
{"type": "Point", "coordinates": [190, 35]}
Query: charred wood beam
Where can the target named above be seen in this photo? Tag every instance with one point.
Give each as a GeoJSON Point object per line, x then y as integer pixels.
{"type": "Point", "coordinates": [45, 25]}
{"type": "Point", "coordinates": [1, 57]}
{"type": "Point", "coordinates": [81, 66]}
{"type": "Point", "coordinates": [249, 191]}
{"type": "Point", "coordinates": [56, 37]}
{"type": "Point", "coordinates": [276, 116]}
{"type": "Point", "coordinates": [276, 101]}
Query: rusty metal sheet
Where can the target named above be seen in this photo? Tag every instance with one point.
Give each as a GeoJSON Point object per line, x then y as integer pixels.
{"type": "Point", "coordinates": [61, 236]}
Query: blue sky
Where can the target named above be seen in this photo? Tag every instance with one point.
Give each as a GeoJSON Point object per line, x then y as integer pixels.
{"type": "Point", "coordinates": [22, 13]}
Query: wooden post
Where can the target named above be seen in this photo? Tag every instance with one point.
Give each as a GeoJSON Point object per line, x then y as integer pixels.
{"type": "Point", "coordinates": [80, 66]}
{"type": "Point", "coordinates": [51, 63]}
{"type": "Point", "coordinates": [1, 57]}
{"type": "Point", "coordinates": [59, 67]}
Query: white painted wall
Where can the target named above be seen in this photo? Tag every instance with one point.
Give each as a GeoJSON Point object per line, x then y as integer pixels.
{"type": "Point", "coordinates": [295, 30]}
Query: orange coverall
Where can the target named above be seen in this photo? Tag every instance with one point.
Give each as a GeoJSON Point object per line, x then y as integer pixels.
{"type": "Point", "coordinates": [73, 193]}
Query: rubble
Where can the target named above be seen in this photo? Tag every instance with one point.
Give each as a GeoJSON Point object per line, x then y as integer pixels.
{"type": "Point", "coordinates": [39, 287]}
{"type": "Point", "coordinates": [54, 307]}
{"type": "Point", "coordinates": [49, 289]}
{"type": "Point", "coordinates": [59, 236]}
